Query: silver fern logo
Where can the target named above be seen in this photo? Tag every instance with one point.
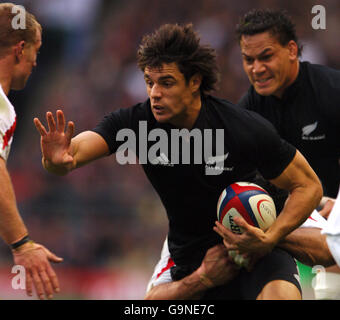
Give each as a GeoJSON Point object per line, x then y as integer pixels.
{"type": "Point", "coordinates": [307, 130]}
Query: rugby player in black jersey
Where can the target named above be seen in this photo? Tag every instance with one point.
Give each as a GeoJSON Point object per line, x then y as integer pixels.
{"type": "Point", "coordinates": [299, 98]}
{"type": "Point", "coordinates": [179, 72]}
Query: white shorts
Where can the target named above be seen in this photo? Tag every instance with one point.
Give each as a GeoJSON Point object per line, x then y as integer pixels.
{"type": "Point", "coordinates": [315, 220]}
{"type": "Point", "coordinates": [161, 272]}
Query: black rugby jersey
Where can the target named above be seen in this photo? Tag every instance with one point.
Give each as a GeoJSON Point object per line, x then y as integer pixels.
{"type": "Point", "coordinates": [188, 194]}
{"type": "Point", "coordinates": [308, 116]}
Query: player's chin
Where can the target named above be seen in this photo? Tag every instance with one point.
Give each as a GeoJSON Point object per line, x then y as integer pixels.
{"type": "Point", "coordinates": [266, 91]}
{"type": "Point", "coordinates": [162, 118]}
{"type": "Point", "coordinates": [19, 85]}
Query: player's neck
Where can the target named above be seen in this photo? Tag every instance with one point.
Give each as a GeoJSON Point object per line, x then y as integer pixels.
{"type": "Point", "coordinates": [5, 76]}
{"type": "Point", "coordinates": [188, 119]}
{"type": "Point", "coordinates": [293, 76]}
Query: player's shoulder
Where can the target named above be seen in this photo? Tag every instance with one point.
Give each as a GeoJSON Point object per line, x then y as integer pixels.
{"type": "Point", "coordinates": [325, 83]}
{"type": "Point", "coordinates": [234, 116]}
{"type": "Point", "coordinates": [222, 107]}
{"type": "Point", "coordinates": [137, 112]}
{"type": "Point", "coordinates": [7, 112]}
{"type": "Point", "coordinates": [324, 76]}
{"type": "Point", "coordinates": [6, 108]}
{"type": "Point", "coordinates": [227, 109]}
{"type": "Point", "coordinates": [251, 100]}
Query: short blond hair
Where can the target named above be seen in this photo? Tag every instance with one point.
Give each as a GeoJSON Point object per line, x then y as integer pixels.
{"type": "Point", "coordinates": [10, 36]}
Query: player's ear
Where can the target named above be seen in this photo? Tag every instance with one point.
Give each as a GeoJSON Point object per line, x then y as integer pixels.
{"type": "Point", "coordinates": [293, 50]}
{"type": "Point", "coordinates": [19, 50]}
{"type": "Point", "coordinates": [195, 82]}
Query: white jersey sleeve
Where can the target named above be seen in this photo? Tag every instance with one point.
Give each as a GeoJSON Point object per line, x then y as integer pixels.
{"type": "Point", "coordinates": [332, 230]}
{"type": "Point", "coordinates": [7, 124]}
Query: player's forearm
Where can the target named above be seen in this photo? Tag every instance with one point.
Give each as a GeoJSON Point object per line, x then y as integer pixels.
{"type": "Point", "coordinates": [189, 288]}
{"type": "Point", "coordinates": [308, 246]}
{"type": "Point", "coordinates": [299, 205]}
{"type": "Point", "coordinates": [12, 227]}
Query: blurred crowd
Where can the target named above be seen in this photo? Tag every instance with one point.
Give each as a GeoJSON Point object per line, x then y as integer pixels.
{"type": "Point", "coordinates": [105, 214]}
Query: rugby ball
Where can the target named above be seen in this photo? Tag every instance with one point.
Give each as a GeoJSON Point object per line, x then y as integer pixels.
{"type": "Point", "coordinates": [246, 200]}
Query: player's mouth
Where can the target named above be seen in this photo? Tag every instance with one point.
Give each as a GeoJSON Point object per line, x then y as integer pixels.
{"type": "Point", "coordinates": [158, 109]}
{"type": "Point", "coordinates": [264, 82]}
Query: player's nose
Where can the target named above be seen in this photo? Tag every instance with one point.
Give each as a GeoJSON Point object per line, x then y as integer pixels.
{"type": "Point", "coordinates": [258, 67]}
{"type": "Point", "coordinates": [156, 92]}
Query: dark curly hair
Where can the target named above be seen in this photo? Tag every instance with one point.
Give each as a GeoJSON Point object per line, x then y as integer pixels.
{"type": "Point", "coordinates": [275, 21]}
{"type": "Point", "coordinates": [180, 44]}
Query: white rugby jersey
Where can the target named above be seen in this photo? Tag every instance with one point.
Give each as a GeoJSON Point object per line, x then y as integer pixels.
{"type": "Point", "coordinates": [7, 124]}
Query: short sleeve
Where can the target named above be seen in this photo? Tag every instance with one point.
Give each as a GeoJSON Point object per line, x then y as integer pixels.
{"type": "Point", "coordinates": [112, 125]}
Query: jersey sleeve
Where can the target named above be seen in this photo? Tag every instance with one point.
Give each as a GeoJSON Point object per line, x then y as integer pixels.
{"type": "Point", "coordinates": [124, 121]}
{"type": "Point", "coordinates": [268, 151]}
{"type": "Point", "coordinates": [7, 125]}
{"type": "Point", "coordinates": [3, 152]}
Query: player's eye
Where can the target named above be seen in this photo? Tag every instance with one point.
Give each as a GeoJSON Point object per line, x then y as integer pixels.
{"type": "Point", "coordinates": [266, 57]}
{"type": "Point", "coordinates": [167, 84]}
{"type": "Point", "coordinates": [248, 60]}
{"type": "Point", "coordinates": [149, 83]}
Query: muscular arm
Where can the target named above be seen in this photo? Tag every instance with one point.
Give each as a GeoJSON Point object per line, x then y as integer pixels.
{"type": "Point", "coordinates": [12, 227]}
{"type": "Point", "coordinates": [305, 193]}
{"type": "Point", "coordinates": [216, 269]}
{"type": "Point", "coordinates": [189, 288]}
{"type": "Point", "coordinates": [308, 246]}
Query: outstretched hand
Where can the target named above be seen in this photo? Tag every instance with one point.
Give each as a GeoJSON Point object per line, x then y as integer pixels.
{"type": "Point", "coordinates": [35, 258]}
{"type": "Point", "coordinates": [56, 142]}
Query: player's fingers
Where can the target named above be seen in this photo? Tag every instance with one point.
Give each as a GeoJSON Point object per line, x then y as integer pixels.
{"type": "Point", "coordinates": [230, 246]}
{"type": "Point", "coordinates": [50, 121]}
{"type": "Point", "coordinates": [29, 284]}
{"type": "Point", "coordinates": [327, 209]}
{"type": "Point", "coordinates": [242, 223]}
{"type": "Point", "coordinates": [60, 121]}
{"type": "Point", "coordinates": [41, 129]}
{"type": "Point", "coordinates": [224, 232]}
{"type": "Point", "coordinates": [53, 277]}
{"type": "Point", "coordinates": [38, 283]}
{"type": "Point", "coordinates": [217, 230]}
{"type": "Point", "coordinates": [69, 130]}
{"type": "Point", "coordinates": [46, 283]}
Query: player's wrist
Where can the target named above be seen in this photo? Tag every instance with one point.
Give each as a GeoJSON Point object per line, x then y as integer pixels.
{"type": "Point", "coordinates": [52, 168]}
{"type": "Point", "coordinates": [21, 243]}
{"type": "Point", "coordinates": [204, 279]}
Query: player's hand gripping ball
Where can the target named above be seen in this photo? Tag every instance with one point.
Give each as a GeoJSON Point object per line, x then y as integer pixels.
{"type": "Point", "coordinates": [249, 201]}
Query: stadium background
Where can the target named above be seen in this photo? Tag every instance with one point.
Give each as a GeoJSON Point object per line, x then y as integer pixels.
{"type": "Point", "coordinates": [105, 220]}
